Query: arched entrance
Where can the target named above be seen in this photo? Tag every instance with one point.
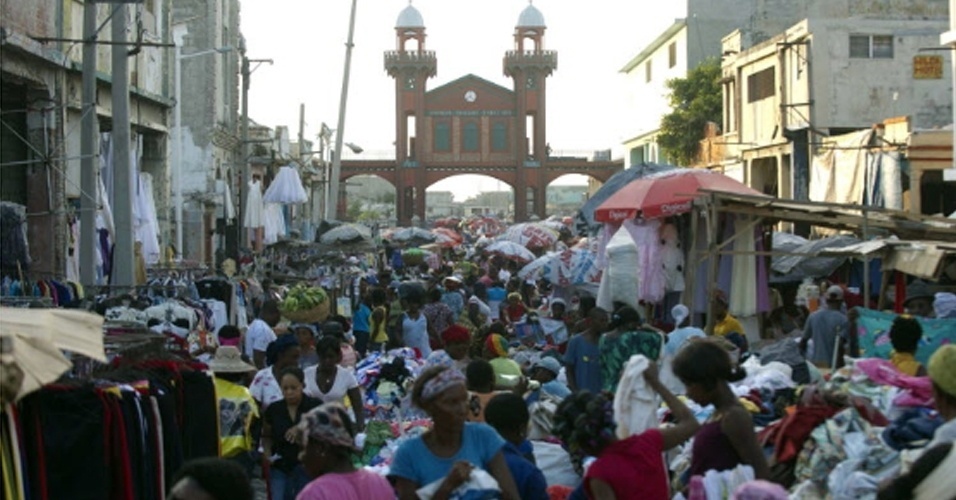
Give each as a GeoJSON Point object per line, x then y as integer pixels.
{"type": "Point", "coordinates": [469, 194]}
{"type": "Point", "coordinates": [370, 199]}
{"type": "Point", "coordinates": [565, 194]}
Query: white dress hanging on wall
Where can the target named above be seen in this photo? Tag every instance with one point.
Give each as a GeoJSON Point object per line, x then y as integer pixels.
{"type": "Point", "coordinates": [274, 223]}
{"type": "Point", "coordinates": [254, 206]}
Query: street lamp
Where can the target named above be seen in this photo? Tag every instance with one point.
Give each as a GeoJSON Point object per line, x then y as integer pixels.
{"type": "Point", "coordinates": [179, 129]}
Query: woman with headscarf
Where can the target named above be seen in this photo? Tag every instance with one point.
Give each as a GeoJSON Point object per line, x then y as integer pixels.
{"type": "Point", "coordinates": [282, 353]}
{"type": "Point", "coordinates": [331, 383]}
{"type": "Point", "coordinates": [473, 317]}
{"type": "Point", "coordinates": [453, 447]}
{"type": "Point", "coordinates": [507, 371]}
{"type": "Point", "coordinates": [456, 339]}
{"type": "Point", "coordinates": [327, 438]}
{"type": "Point", "coordinates": [280, 453]}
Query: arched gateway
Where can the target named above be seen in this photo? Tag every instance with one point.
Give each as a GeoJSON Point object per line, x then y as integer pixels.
{"type": "Point", "coordinates": [471, 125]}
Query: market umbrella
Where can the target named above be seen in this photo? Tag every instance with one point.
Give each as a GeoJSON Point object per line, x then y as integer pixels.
{"type": "Point", "coordinates": [447, 238]}
{"type": "Point", "coordinates": [665, 193]}
{"type": "Point", "coordinates": [412, 236]}
{"type": "Point", "coordinates": [346, 234]}
{"type": "Point", "coordinates": [286, 188]}
{"type": "Point", "coordinates": [33, 339]}
{"type": "Point", "coordinates": [584, 222]}
{"type": "Point", "coordinates": [510, 250]}
{"type": "Point", "coordinates": [531, 235]}
{"type": "Point", "coordinates": [567, 268]}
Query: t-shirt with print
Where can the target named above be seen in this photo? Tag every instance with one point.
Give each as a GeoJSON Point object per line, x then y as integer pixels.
{"type": "Point", "coordinates": [265, 388]}
{"type": "Point", "coordinates": [632, 467]}
{"type": "Point", "coordinates": [584, 357]}
{"type": "Point", "coordinates": [258, 337]}
{"type": "Point", "coordinates": [415, 462]}
{"type": "Point", "coordinates": [343, 383]}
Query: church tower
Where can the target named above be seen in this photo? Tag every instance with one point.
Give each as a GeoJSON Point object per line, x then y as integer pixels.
{"type": "Point", "coordinates": [411, 66]}
{"type": "Point", "coordinates": [529, 65]}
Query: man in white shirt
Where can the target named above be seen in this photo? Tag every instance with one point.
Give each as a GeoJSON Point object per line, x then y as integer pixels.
{"type": "Point", "coordinates": [260, 334]}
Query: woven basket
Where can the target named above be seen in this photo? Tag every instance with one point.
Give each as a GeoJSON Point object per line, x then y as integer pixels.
{"type": "Point", "coordinates": [317, 314]}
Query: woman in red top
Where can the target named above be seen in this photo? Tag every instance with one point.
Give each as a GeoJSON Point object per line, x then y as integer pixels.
{"type": "Point", "coordinates": [514, 311]}
{"type": "Point", "coordinates": [631, 468]}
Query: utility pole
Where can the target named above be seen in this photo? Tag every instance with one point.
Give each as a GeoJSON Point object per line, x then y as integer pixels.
{"type": "Point", "coordinates": [306, 212]}
{"type": "Point", "coordinates": [244, 146]}
{"type": "Point", "coordinates": [333, 200]}
{"type": "Point", "coordinates": [89, 191]}
{"type": "Point", "coordinates": [122, 273]}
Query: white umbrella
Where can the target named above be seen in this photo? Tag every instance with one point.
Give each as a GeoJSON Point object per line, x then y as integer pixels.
{"type": "Point", "coordinates": [346, 233]}
{"type": "Point", "coordinates": [510, 250]}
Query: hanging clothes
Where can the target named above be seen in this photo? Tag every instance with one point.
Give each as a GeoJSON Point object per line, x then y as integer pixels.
{"type": "Point", "coordinates": [274, 223]}
{"type": "Point", "coordinates": [146, 223]}
{"type": "Point", "coordinates": [254, 206]}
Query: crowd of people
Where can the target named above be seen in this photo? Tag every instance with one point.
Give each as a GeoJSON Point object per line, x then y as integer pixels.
{"type": "Point", "coordinates": [294, 412]}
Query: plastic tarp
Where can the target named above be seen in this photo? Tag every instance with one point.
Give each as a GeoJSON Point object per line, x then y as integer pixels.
{"type": "Point", "coordinates": [584, 220]}
{"type": "Point", "coordinates": [801, 266]}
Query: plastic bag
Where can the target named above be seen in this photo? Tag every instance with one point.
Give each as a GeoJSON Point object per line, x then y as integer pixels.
{"type": "Point", "coordinates": [480, 486]}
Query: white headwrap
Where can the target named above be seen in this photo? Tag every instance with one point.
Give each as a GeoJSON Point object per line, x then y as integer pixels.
{"type": "Point", "coordinates": [945, 305]}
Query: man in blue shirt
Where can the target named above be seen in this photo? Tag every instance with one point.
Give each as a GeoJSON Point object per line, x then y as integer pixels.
{"type": "Point", "coordinates": [508, 414]}
{"type": "Point", "coordinates": [581, 360]}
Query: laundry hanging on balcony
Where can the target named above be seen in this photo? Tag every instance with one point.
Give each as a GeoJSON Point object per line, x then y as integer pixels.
{"type": "Point", "coordinates": [286, 188]}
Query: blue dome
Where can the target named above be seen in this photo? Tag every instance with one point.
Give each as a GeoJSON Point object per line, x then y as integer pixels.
{"type": "Point", "coordinates": [410, 18]}
{"type": "Point", "coordinates": [531, 17]}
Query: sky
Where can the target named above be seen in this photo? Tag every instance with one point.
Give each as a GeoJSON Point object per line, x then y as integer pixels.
{"type": "Point", "coordinates": [306, 40]}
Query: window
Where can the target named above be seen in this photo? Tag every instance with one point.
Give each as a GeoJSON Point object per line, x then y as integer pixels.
{"type": "Point", "coordinates": [442, 137]}
{"type": "Point", "coordinates": [470, 137]}
{"type": "Point", "coordinates": [647, 72]}
{"type": "Point", "coordinates": [760, 85]}
{"type": "Point", "coordinates": [499, 137]}
{"type": "Point", "coordinates": [871, 46]}
{"type": "Point", "coordinates": [672, 55]}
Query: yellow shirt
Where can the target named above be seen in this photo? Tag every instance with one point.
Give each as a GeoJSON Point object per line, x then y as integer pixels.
{"type": "Point", "coordinates": [237, 409]}
{"type": "Point", "coordinates": [905, 363]}
{"type": "Point", "coordinates": [379, 334]}
{"type": "Point", "coordinates": [728, 325]}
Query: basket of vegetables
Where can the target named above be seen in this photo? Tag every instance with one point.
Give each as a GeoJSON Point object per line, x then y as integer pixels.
{"type": "Point", "coordinates": [306, 304]}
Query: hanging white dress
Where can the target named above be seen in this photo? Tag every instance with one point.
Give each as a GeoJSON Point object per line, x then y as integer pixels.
{"type": "Point", "coordinates": [274, 223]}
{"type": "Point", "coordinates": [147, 225]}
{"type": "Point", "coordinates": [254, 207]}
{"type": "Point", "coordinates": [286, 188]}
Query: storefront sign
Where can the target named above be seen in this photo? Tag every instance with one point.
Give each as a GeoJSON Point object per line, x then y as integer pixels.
{"type": "Point", "coordinates": [927, 67]}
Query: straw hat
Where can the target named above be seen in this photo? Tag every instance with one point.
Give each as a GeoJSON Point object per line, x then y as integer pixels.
{"type": "Point", "coordinates": [228, 360]}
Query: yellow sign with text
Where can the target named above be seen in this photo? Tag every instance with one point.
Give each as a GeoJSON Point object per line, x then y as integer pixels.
{"type": "Point", "coordinates": [927, 67]}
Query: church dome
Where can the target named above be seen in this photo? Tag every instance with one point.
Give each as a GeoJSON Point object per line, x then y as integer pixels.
{"type": "Point", "coordinates": [531, 17]}
{"type": "Point", "coordinates": [410, 18]}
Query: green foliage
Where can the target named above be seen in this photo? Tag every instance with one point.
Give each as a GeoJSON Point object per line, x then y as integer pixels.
{"type": "Point", "coordinates": [369, 216]}
{"type": "Point", "coordinates": [354, 210]}
{"type": "Point", "coordinates": [694, 100]}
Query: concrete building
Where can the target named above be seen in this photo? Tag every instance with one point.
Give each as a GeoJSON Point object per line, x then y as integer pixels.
{"type": "Point", "coordinates": [949, 39]}
{"type": "Point", "coordinates": [826, 76]}
{"type": "Point", "coordinates": [40, 110]}
{"type": "Point", "coordinates": [682, 46]}
{"type": "Point", "coordinates": [440, 204]}
{"type": "Point", "coordinates": [210, 41]}
{"type": "Point", "coordinates": [492, 203]}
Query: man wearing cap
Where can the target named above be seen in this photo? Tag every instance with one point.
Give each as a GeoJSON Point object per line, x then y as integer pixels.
{"type": "Point", "coordinates": [825, 326]}
{"type": "Point", "coordinates": [919, 299]}
{"type": "Point", "coordinates": [546, 371]}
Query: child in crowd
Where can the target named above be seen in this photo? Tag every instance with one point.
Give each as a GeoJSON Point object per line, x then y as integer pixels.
{"type": "Point", "coordinates": [480, 378]}
{"type": "Point", "coordinates": [727, 439]}
{"type": "Point", "coordinates": [630, 468]}
{"type": "Point", "coordinates": [306, 333]}
{"type": "Point", "coordinates": [905, 335]}
{"type": "Point", "coordinates": [508, 414]}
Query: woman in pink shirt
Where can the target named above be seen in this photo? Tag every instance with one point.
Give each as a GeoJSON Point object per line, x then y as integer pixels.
{"type": "Point", "coordinates": [327, 437]}
{"type": "Point", "coordinates": [630, 468]}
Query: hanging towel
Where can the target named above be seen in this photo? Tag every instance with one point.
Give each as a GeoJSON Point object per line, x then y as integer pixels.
{"type": "Point", "coordinates": [635, 403]}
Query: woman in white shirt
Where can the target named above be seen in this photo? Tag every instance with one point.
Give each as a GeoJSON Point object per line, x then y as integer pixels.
{"type": "Point", "coordinates": [282, 353]}
{"type": "Point", "coordinates": [331, 383]}
{"type": "Point", "coordinates": [415, 326]}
